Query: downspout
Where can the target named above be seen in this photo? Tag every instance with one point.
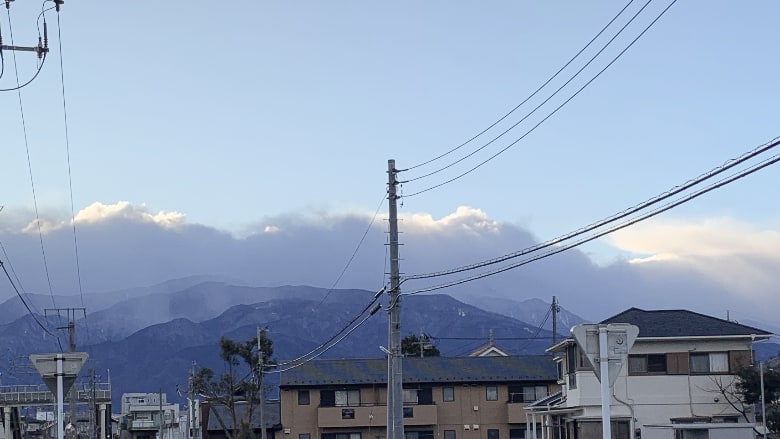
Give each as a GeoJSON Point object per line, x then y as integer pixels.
{"type": "Point", "coordinates": [632, 425]}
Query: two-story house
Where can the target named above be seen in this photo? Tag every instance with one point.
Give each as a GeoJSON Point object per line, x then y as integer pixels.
{"type": "Point", "coordinates": [145, 415]}
{"type": "Point", "coordinates": [670, 385]}
{"type": "Point", "coordinates": [444, 398]}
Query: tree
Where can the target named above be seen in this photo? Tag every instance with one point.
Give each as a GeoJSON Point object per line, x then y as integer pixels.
{"type": "Point", "coordinates": [240, 384]}
{"type": "Point", "coordinates": [744, 394]}
{"type": "Point", "coordinates": [412, 346]}
{"type": "Point", "coordinates": [749, 387]}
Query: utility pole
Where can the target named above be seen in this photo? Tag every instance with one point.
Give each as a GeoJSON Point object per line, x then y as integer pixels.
{"type": "Point", "coordinates": [260, 355]}
{"type": "Point", "coordinates": [161, 416]}
{"type": "Point", "coordinates": [555, 310]}
{"type": "Point", "coordinates": [42, 48]}
{"type": "Point", "coordinates": [395, 420]}
{"type": "Point", "coordinates": [71, 327]}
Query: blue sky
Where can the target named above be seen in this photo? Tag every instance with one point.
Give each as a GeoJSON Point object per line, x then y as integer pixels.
{"type": "Point", "coordinates": [244, 114]}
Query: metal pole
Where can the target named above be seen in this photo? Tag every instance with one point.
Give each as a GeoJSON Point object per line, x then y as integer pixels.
{"type": "Point", "coordinates": [395, 420]}
{"type": "Point", "coordinates": [606, 428]}
{"type": "Point", "coordinates": [763, 402]}
{"type": "Point", "coordinates": [60, 397]}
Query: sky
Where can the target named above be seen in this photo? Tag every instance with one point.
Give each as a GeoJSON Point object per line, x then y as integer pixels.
{"type": "Point", "coordinates": [250, 140]}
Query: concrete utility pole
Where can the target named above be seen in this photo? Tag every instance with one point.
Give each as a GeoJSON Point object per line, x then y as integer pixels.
{"type": "Point", "coordinates": [260, 383]}
{"type": "Point", "coordinates": [71, 313]}
{"type": "Point", "coordinates": [395, 401]}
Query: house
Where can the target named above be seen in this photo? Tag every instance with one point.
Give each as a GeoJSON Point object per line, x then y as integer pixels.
{"type": "Point", "coordinates": [145, 415]}
{"type": "Point", "coordinates": [216, 418]}
{"type": "Point", "coordinates": [669, 386]}
{"type": "Point", "coordinates": [444, 397]}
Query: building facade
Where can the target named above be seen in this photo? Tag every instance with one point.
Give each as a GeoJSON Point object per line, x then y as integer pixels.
{"type": "Point", "coordinates": [674, 383]}
{"type": "Point", "coordinates": [444, 398]}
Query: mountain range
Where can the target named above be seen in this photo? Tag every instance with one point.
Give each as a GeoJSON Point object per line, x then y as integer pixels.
{"type": "Point", "coordinates": [149, 339]}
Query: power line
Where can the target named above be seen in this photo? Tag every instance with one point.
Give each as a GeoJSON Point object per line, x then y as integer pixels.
{"type": "Point", "coordinates": [555, 75]}
{"type": "Point", "coordinates": [24, 302]}
{"type": "Point", "coordinates": [615, 217]}
{"type": "Point", "coordinates": [29, 162]}
{"type": "Point", "coordinates": [354, 253]}
{"type": "Point", "coordinates": [533, 128]}
{"type": "Point", "coordinates": [734, 177]}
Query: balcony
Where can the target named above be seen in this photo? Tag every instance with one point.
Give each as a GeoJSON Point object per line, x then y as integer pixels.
{"type": "Point", "coordinates": [373, 416]}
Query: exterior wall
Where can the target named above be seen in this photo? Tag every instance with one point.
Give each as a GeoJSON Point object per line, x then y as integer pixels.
{"type": "Point", "coordinates": [656, 399]}
{"type": "Point", "coordinates": [470, 415]}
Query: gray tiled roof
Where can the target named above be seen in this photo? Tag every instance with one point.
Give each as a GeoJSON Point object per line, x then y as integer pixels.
{"type": "Point", "coordinates": [681, 323]}
{"type": "Point", "coordinates": [271, 415]}
{"type": "Point", "coordinates": [423, 370]}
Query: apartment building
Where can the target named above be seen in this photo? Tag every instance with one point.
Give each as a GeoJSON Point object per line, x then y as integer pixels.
{"type": "Point", "coordinates": [444, 398]}
{"type": "Point", "coordinates": [145, 415]}
{"type": "Point", "coordinates": [668, 388]}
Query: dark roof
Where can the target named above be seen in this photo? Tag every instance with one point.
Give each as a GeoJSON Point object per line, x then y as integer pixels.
{"type": "Point", "coordinates": [423, 370]}
{"type": "Point", "coordinates": [271, 415]}
{"type": "Point", "coordinates": [681, 323]}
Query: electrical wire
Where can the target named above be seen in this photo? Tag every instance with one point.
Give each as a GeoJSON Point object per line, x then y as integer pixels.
{"type": "Point", "coordinates": [731, 163]}
{"type": "Point", "coordinates": [24, 302]}
{"type": "Point", "coordinates": [682, 200]}
{"type": "Point", "coordinates": [354, 253]}
{"type": "Point", "coordinates": [295, 365]}
{"type": "Point", "coordinates": [533, 128]}
{"type": "Point", "coordinates": [555, 75]}
{"type": "Point", "coordinates": [29, 162]}
{"type": "Point", "coordinates": [70, 173]}
{"type": "Point", "coordinates": [343, 328]}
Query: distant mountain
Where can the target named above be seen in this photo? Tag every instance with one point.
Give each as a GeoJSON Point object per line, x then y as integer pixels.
{"type": "Point", "coordinates": [150, 342]}
{"type": "Point", "coordinates": [532, 311]}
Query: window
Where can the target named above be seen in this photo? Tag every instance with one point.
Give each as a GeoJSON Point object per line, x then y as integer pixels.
{"type": "Point", "coordinates": [339, 398]}
{"type": "Point", "coordinates": [647, 364]}
{"type": "Point", "coordinates": [492, 433]}
{"type": "Point", "coordinates": [448, 394]}
{"type": "Point", "coordinates": [491, 393]}
{"type": "Point", "coordinates": [303, 397]}
{"type": "Point", "coordinates": [516, 433]}
{"type": "Point", "coordinates": [408, 412]}
{"type": "Point", "coordinates": [426, 434]}
{"type": "Point", "coordinates": [422, 396]}
{"type": "Point", "coordinates": [713, 362]}
{"type": "Point", "coordinates": [449, 434]}
{"type": "Point", "coordinates": [340, 436]}
{"type": "Point", "coordinates": [526, 393]}
{"type": "Point", "coordinates": [304, 436]}
{"type": "Point", "coordinates": [347, 413]}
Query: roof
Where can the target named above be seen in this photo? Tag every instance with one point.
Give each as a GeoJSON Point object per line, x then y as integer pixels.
{"type": "Point", "coordinates": [682, 323]}
{"type": "Point", "coordinates": [271, 416]}
{"type": "Point", "coordinates": [423, 370]}
{"type": "Point", "coordinates": [489, 349]}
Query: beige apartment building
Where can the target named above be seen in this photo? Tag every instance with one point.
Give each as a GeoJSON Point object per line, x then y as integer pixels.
{"type": "Point", "coordinates": [444, 398]}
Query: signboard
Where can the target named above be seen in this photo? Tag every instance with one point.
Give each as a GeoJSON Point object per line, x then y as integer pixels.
{"type": "Point", "coordinates": [620, 338]}
{"type": "Point", "coordinates": [46, 364]}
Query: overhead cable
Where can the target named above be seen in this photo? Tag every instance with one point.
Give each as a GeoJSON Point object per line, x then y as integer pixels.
{"type": "Point", "coordinates": [555, 75]}
{"type": "Point", "coordinates": [533, 128]}
{"type": "Point", "coordinates": [682, 200]}
{"type": "Point", "coordinates": [731, 163]}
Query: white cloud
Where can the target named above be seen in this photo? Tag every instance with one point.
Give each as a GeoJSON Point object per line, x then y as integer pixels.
{"type": "Point", "coordinates": [738, 255]}
{"type": "Point", "coordinates": [99, 212]}
{"type": "Point", "coordinates": [464, 219]}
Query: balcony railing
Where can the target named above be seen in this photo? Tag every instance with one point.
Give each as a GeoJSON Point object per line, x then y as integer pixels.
{"type": "Point", "coordinates": [373, 416]}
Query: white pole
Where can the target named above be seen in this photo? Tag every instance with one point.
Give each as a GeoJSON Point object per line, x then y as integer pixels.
{"type": "Point", "coordinates": [763, 402]}
{"type": "Point", "coordinates": [60, 397]}
{"type": "Point", "coordinates": [606, 428]}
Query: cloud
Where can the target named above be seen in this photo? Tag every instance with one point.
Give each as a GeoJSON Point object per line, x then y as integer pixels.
{"type": "Point", "coordinates": [709, 266]}
{"type": "Point", "coordinates": [737, 255]}
{"type": "Point", "coordinates": [97, 212]}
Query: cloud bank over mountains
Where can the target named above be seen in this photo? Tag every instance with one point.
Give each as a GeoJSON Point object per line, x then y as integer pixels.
{"type": "Point", "coordinates": [711, 266]}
